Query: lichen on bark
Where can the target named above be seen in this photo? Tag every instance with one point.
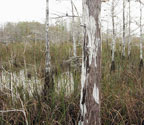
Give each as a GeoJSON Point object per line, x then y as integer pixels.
{"type": "Point", "coordinates": [91, 64]}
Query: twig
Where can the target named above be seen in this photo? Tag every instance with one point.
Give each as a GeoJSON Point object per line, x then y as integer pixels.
{"type": "Point", "coordinates": [11, 110]}
{"type": "Point", "coordinates": [24, 112]}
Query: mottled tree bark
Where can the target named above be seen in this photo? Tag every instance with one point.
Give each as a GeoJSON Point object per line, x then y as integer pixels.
{"type": "Point", "coordinates": [73, 30]}
{"type": "Point", "coordinates": [141, 46]}
{"type": "Point", "coordinates": [107, 40]}
{"type": "Point", "coordinates": [47, 38]}
{"type": "Point", "coordinates": [48, 75]}
{"type": "Point", "coordinates": [129, 39]}
{"type": "Point", "coordinates": [113, 38]}
{"type": "Point", "coordinates": [123, 40]}
{"type": "Point", "coordinates": [0, 73]}
{"type": "Point", "coordinates": [91, 64]}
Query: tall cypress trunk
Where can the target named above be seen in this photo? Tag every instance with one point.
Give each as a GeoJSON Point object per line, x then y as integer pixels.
{"type": "Point", "coordinates": [123, 40]}
{"type": "Point", "coordinates": [47, 68]}
{"type": "Point", "coordinates": [91, 64]}
{"type": "Point", "coordinates": [113, 38]}
{"type": "Point", "coordinates": [141, 46]}
{"type": "Point", "coordinates": [48, 75]}
{"type": "Point", "coordinates": [73, 31]}
{"type": "Point", "coordinates": [107, 40]}
{"type": "Point", "coordinates": [0, 72]}
{"type": "Point", "coordinates": [129, 39]}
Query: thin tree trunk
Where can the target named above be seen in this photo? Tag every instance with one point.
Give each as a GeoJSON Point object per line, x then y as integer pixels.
{"type": "Point", "coordinates": [113, 38]}
{"type": "Point", "coordinates": [141, 46]}
{"type": "Point", "coordinates": [48, 75]}
{"type": "Point", "coordinates": [0, 73]}
{"type": "Point", "coordinates": [107, 41]}
{"type": "Point", "coordinates": [47, 38]}
{"type": "Point", "coordinates": [73, 31]}
{"type": "Point", "coordinates": [91, 64]}
{"type": "Point", "coordinates": [129, 39]}
{"type": "Point", "coordinates": [123, 40]}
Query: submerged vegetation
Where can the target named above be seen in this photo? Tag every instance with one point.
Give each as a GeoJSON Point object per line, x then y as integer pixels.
{"type": "Point", "coordinates": [122, 89]}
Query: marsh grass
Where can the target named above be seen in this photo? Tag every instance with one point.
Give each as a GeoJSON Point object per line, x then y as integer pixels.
{"type": "Point", "coordinates": [122, 99]}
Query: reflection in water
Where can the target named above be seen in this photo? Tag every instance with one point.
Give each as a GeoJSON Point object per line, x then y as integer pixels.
{"type": "Point", "coordinates": [21, 83]}
{"type": "Point", "coordinates": [64, 83]}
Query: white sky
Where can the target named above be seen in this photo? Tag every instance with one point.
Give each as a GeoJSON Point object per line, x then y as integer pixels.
{"type": "Point", "coordinates": [32, 10]}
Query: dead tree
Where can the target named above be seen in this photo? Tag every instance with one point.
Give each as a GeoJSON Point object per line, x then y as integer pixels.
{"type": "Point", "coordinates": [141, 46]}
{"type": "Point", "coordinates": [129, 38]}
{"type": "Point", "coordinates": [124, 39]}
{"type": "Point", "coordinates": [113, 37]}
{"type": "Point", "coordinates": [91, 64]}
{"type": "Point", "coordinates": [107, 40]}
{"type": "Point", "coordinates": [73, 31]}
{"type": "Point", "coordinates": [48, 74]}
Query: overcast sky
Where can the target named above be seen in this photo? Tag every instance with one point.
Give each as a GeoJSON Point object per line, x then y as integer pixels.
{"type": "Point", "coordinates": [32, 10]}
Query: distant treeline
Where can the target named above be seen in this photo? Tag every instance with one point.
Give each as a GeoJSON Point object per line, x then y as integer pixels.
{"type": "Point", "coordinates": [33, 31]}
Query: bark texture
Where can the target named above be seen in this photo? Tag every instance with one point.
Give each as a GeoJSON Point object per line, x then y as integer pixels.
{"type": "Point", "coordinates": [113, 38]}
{"type": "Point", "coordinates": [73, 30]}
{"type": "Point", "coordinates": [47, 68]}
{"type": "Point", "coordinates": [129, 39]}
{"type": "Point", "coordinates": [91, 64]}
{"type": "Point", "coordinates": [48, 74]}
{"type": "Point", "coordinates": [141, 46]}
{"type": "Point", "coordinates": [141, 51]}
{"type": "Point", "coordinates": [123, 41]}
